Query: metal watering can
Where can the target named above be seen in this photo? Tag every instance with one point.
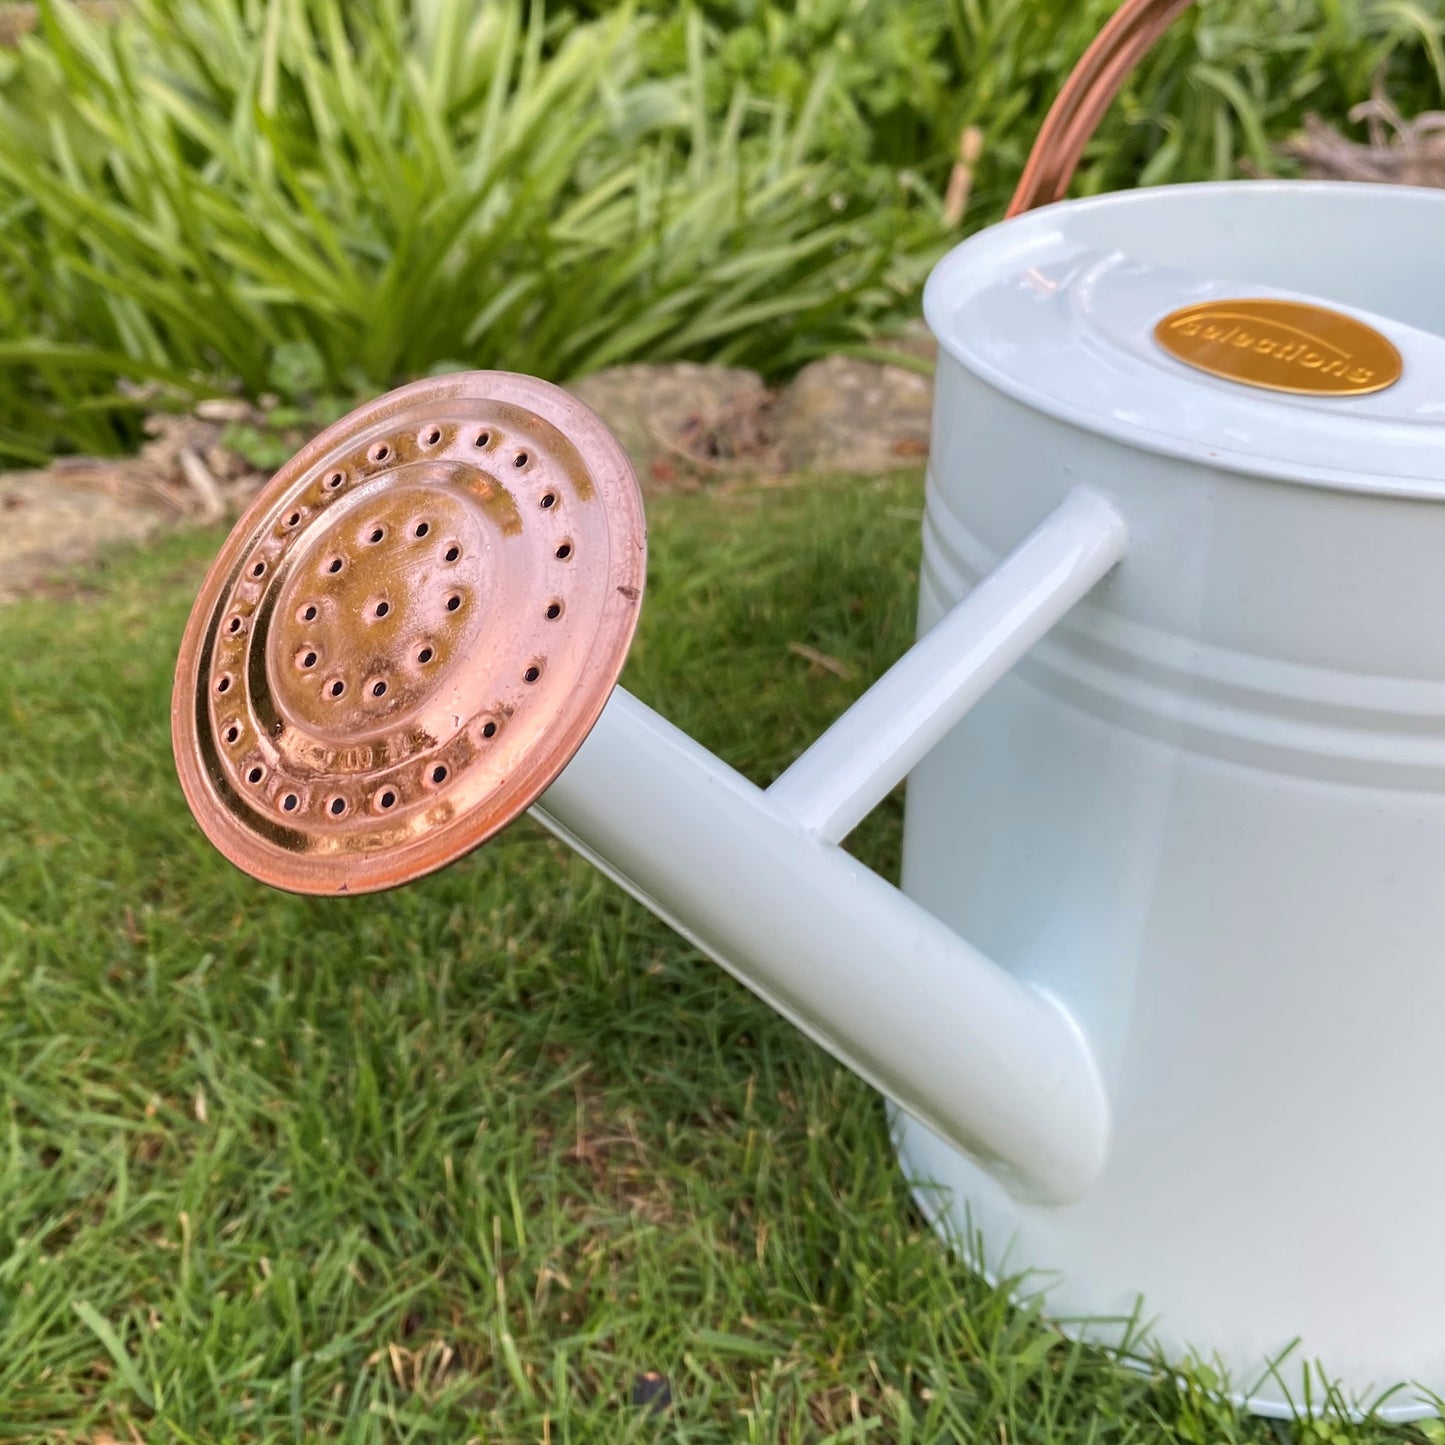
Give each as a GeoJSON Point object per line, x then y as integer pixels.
{"type": "Point", "coordinates": [1160, 1003]}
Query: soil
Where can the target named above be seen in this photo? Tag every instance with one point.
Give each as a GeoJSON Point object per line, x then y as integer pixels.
{"type": "Point", "coordinates": [684, 426]}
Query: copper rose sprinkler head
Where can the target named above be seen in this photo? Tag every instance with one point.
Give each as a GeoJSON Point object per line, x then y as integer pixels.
{"type": "Point", "coordinates": [409, 633]}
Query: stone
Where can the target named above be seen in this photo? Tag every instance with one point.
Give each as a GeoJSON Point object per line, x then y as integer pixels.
{"type": "Point", "coordinates": [53, 525]}
{"type": "Point", "coordinates": [845, 415]}
{"type": "Point", "coordinates": [63, 516]}
{"type": "Point", "coordinates": [669, 418]}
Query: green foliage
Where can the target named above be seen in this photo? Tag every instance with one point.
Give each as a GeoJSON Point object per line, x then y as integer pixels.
{"type": "Point", "coordinates": [458, 1162]}
{"type": "Point", "coordinates": [305, 195]}
{"type": "Point", "coordinates": [315, 196]}
{"type": "Point", "coordinates": [1229, 79]}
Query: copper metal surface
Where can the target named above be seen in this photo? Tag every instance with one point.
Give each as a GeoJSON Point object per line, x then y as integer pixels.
{"type": "Point", "coordinates": [1088, 92]}
{"type": "Point", "coordinates": [1291, 346]}
{"type": "Point", "coordinates": [409, 633]}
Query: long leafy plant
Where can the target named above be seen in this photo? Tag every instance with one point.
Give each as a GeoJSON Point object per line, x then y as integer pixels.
{"type": "Point", "coordinates": [332, 195]}
{"type": "Point", "coordinates": [307, 194]}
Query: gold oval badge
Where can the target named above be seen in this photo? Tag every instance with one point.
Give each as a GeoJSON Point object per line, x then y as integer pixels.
{"type": "Point", "coordinates": [1282, 346]}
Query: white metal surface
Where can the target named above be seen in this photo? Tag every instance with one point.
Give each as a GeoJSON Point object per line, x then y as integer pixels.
{"type": "Point", "coordinates": [1056, 309]}
{"type": "Point", "coordinates": [908, 711]}
{"type": "Point", "coordinates": [1208, 810]}
{"type": "Point", "coordinates": [993, 1063]}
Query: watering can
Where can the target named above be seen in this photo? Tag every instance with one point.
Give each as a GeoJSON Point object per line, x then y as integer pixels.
{"type": "Point", "coordinates": [1159, 1005]}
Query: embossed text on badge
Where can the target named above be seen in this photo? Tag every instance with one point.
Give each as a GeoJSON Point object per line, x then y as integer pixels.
{"type": "Point", "coordinates": [1281, 346]}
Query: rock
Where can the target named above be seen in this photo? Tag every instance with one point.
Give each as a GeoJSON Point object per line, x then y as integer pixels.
{"type": "Point", "coordinates": [653, 1390]}
{"type": "Point", "coordinates": [55, 523]}
{"type": "Point", "coordinates": [668, 418]}
{"type": "Point", "coordinates": [854, 416]}
{"type": "Point", "coordinates": [60, 517]}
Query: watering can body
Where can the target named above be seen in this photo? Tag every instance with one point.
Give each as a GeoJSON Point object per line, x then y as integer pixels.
{"type": "Point", "coordinates": [1207, 812]}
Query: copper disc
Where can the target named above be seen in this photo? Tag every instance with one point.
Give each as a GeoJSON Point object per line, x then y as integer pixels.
{"type": "Point", "coordinates": [409, 633]}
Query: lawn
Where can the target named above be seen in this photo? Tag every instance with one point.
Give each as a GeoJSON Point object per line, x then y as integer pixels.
{"type": "Point", "coordinates": [462, 1161]}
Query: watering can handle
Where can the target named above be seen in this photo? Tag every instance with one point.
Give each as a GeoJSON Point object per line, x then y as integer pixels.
{"type": "Point", "coordinates": [1087, 94]}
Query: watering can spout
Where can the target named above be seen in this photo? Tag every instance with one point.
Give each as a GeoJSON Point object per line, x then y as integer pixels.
{"type": "Point", "coordinates": [415, 634]}
{"type": "Point", "coordinates": [757, 880]}
{"type": "Point", "coordinates": [342, 723]}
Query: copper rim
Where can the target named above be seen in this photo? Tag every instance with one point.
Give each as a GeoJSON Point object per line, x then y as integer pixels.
{"type": "Point", "coordinates": [1126, 38]}
{"type": "Point", "coordinates": [409, 633]}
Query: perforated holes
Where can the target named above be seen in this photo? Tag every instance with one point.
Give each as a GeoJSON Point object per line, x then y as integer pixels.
{"type": "Point", "coordinates": [549, 500]}
{"type": "Point", "coordinates": [381, 609]}
{"type": "Point", "coordinates": [223, 683]}
{"type": "Point", "coordinates": [380, 452]}
{"type": "Point", "coordinates": [307, 613]}
{"type": "Point", "coordinates": [439, 775]}
{"type": "Point", "coordinates": [433, 436]}
{"type": "Point", "coordinates": [290, 803]}
{"type": "Point", "coordinates": [421, 529]}
{"type": "Point", "coordinates": [378, 534]}
{"type": "Point", "coordinates": [306, 659]}
{"type": "Point", "coordinates": [258, 569]}
{"type": "Point", "coordinates": [378, 688]}
{"type": "Point", "coordinates": [452, 553]}
{"type": "Point", "coordinates": [532, 673]}
{"type": "Point", "coordinates": [233, 734]}
{"type": "Point", "coordinates": [453, 602]}
{"type": "Point", "coordinates": [425, 655]}
{"type": "Point", "coordinates": [334, 481]}
{"type": "Point", "coordinates": [554, 611]}
{"type": "Point", "coordinates": [564, 551]}
{"type": "Point", "coordinates": [255, 773]}
{"type": "Point", "coordinates": [520, 460]}
{"type": "Point", "coordinates": [483, 439]}
{"type": "Point", "coordinates": [489, 730]}
{"type": "Point", "coordinates": [336, 807]}
{"type": "Point", "coordinates": [335, 565]}
{"type": "Point", "coordinates": [294, 520]}
{"type": "Point", "coordinates": [385, 800]}
{"type": "Point", "coordinates": [335, 688]}
{"type": "Point", "coordinates": [234, 626]}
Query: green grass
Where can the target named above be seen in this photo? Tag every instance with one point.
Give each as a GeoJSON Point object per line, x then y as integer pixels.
{"type": "Point", "coordinates": [458, 1162]}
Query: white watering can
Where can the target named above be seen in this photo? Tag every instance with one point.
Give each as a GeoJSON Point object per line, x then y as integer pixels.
{"type": "Point", "coordinates": [1160, 1003]}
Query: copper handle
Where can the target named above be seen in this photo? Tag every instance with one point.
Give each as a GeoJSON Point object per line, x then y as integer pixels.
{"type": "Point", "coordinates": [1087, 94]}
